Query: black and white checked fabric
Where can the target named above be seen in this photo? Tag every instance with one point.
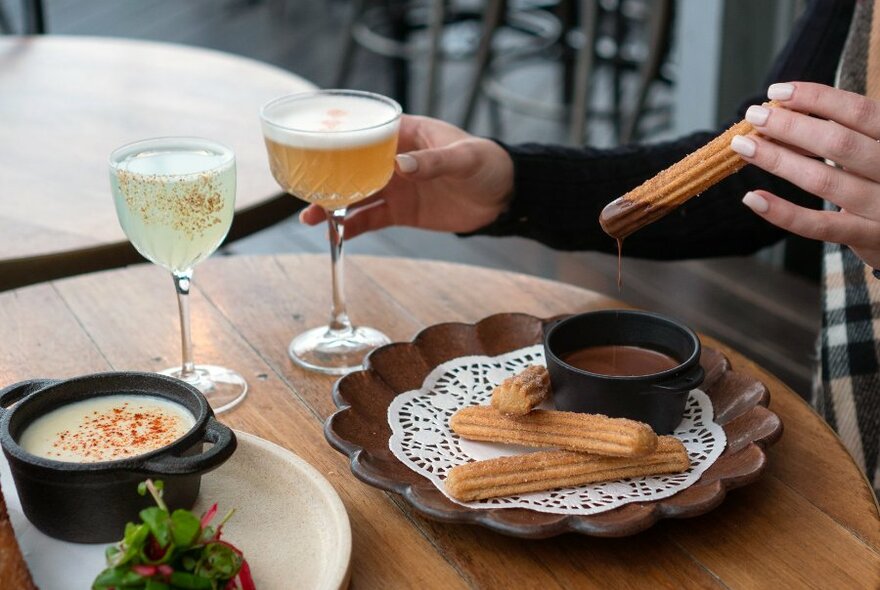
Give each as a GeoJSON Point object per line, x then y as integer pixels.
{"type": "Point", "coordinates": [847, 391]}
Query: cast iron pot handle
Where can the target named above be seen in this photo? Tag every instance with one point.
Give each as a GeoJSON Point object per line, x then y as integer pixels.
{"type": "Point", "coordinates": [224, 445]}
{"type": "Point", "coordinates": [551, 322]}
{"type": "Point", "coordinates": [18, 391]}
{"type": "Point", "coordinates": [687, 381]}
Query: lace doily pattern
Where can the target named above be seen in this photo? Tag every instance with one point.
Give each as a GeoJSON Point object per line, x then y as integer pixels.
{"type": "Point", "coordinates": [422, 440]}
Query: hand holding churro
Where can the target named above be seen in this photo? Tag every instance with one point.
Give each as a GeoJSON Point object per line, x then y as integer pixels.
{"type": "Point", "coordinates": [675, 185]}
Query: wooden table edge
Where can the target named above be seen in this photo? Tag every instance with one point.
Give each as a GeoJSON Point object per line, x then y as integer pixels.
{"type": "Point", "coordinates": [21, 272]}
{"type": "Point", "coordinates": [760, 373]}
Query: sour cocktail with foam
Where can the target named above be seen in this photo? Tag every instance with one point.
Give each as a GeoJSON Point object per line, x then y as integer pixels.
{"type": "Point", "coordinates": [332, 148]}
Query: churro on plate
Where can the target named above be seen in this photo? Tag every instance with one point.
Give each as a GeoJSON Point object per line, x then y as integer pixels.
{"type": "Point", "coordinates": [573, 431]}
{"type": "Point", "coordinates": [522, 393]}
{"type": "Point", "coordinates": [675, 185]}
{"type": "Point", "coordinates": [547, 470]}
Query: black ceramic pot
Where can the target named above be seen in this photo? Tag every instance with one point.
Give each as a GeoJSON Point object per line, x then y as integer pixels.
{"type": "Point", "coordinates": [657, 399]}
{"type": "Point", "coordinates": [91, 502]}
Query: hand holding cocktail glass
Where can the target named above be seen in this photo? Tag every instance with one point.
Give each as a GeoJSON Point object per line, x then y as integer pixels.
{"type": "Point", "coordinates": [333, 148]}
{"type": "Point", "coordinates": [175, 198]}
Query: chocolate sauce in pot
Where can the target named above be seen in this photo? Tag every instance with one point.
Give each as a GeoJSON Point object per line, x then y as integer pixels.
{"type": "Point", "coordinates": [620, 360]}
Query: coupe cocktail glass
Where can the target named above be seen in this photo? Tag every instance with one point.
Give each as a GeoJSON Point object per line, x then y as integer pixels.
{"type": "Point", "coordinates": [333, 148]}
{"type": "Point", "coordinates": [175, 197]}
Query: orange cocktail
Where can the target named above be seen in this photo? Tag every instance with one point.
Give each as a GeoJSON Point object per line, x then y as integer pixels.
{"type": "Point", "coordinates": [332, 148]}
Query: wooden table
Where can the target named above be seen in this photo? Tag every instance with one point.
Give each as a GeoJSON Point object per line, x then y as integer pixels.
{"type": "Point", "coordinates": [67, 102]}
{"type": "Point", "coordinates": [810, 521]}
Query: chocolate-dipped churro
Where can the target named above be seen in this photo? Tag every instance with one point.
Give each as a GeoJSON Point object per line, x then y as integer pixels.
{"type": "Point", "coordinates": [675, 185]}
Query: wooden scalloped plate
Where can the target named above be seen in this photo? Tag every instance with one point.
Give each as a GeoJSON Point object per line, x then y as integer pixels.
{"type": "Point", "coordinates": [360, 430]}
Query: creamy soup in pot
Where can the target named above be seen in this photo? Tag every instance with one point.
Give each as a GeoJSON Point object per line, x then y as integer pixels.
{"type": "Point", "coordinates": [106, 428]}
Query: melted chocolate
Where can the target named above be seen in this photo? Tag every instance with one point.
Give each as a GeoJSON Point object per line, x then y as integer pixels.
{"type": "Point", "coordinates": [619, 264]}
{"type": "Point", "coordinates": [623, 216]}
{"type": "Point", "coordinates": [620, 361]}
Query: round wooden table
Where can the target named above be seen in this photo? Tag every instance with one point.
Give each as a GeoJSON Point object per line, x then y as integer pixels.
{"type": "Point", "coordinates": [811, 520]}
{"type": "Point", "coordinates": [67, 102]}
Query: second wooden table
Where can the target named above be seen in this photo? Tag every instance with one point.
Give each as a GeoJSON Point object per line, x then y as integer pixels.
{"type": "Point", "coordinates": [69, 101]}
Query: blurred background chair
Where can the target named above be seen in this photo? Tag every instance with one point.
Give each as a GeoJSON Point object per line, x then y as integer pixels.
{"type": "Point", "coordinates": [617, 47]}
{"type": "Point", "coordinates": [24, 17]}
{"type": "Point", "coordinates": [428, 33]}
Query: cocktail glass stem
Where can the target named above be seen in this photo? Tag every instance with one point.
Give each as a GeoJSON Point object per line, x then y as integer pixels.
{"type": "Point", "coordinates": [182, 284]}
{"type": "Point", "coordinates": [339, 322]}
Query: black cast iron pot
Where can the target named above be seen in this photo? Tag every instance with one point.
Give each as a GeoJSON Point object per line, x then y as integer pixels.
{"type": "Point", "coordinates": [657, 399]}
{"type": "Point", "coordinates": [91, 502]}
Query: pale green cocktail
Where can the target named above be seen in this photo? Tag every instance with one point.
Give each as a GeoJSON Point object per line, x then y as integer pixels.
{"type": "Point", "coordinates": [175, 198]}
{"type": "Point", "coordinates": [175, 206]}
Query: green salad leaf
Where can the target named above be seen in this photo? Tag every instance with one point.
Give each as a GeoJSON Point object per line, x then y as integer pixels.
{"type": "Point", "coordinates": [173, 551]}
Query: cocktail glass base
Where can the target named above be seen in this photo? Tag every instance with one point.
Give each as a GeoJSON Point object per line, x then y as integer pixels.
{"type": "Point", "coordinates": [335, 352]}
{"type": "Point", "coordinates": [223, 388]}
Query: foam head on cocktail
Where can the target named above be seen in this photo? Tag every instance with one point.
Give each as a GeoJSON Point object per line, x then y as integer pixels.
{"type": "Point", "coordinates": [332, 150]}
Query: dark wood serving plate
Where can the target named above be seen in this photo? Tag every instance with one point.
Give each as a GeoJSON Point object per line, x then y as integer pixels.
{"type": "Point", "coordinates": [360, 430]}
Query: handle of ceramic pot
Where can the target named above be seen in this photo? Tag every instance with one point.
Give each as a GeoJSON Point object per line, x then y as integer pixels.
{"type": "Point", "coordinates": [685, 381]}
{"type": "Point", "coordinates": [550, 322]}
{"type": "Point", "coordinates": [224, 443]}
{"type": "Point", "coordinates": [18, 391]}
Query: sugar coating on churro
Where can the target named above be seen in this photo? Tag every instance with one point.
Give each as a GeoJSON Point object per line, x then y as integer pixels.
{"type": "Point", "coordinates": [547, 470]}
{"type": "Point", "coordinates": [520, 394]}
{"type": "Point", "coordinates": [675, 185]}
{"type": "Point", "coordinates": [573, 431]}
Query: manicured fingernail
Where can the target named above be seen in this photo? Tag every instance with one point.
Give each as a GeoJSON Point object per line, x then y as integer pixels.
{"type": "Point", "coordinates": [743, 146]}
{"type": "Point", "coordinates": [780, 91]}
{"type": "Point", "coordinates": [756, 202]}
{"type": "Point", "coordinates": [407, 163]}
{"type": "Point", "coordinates": [757, 115]}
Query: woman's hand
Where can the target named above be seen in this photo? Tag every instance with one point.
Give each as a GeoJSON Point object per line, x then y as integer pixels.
{"type": "Point", "coordinates": [844, 129]}
{"type": "Point", "coordinates": [445, 179]}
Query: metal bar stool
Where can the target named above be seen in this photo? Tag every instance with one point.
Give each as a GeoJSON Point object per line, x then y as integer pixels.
{"type": "Point", "coordinates": [361, 31]}
{"type": "Point", "coordinates": [435, 17]}
{"type": "Point", "coordinates": [574, 107]}
{"type": "Point", "coordinates": [33, 19]}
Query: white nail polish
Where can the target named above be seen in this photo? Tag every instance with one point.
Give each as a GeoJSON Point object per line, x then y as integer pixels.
{"type": "Point", "coordinates": [743, 146]}
{"type": "Point", "coordinates": [756, 202]}
{"type": "Point", "coordinates": [407, 163]}
{"type": "Point", "coordinates": [780, 91]}
{"type": "Point", "coordinates": [757, 115]}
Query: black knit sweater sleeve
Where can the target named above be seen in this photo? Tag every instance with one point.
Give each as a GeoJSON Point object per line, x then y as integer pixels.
{"type": "Point", "coordinates": [559, 191]}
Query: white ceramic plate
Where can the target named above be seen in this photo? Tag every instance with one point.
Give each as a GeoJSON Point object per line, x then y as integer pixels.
{"type": "Point", "coordinates": [289, 522]}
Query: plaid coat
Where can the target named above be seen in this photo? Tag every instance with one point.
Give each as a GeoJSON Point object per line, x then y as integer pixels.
{"type": "Point", "coordinates": [848, 385]}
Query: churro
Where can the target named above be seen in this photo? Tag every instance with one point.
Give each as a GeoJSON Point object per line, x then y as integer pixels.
{"type": "Point", "coordinates": [675, 185]}
{"type": "Point", "coordinates": [572, 431]}
{"type": "Point", "coordinates": [520, 394]}
{"type": "Point", "coordinates": [547, 470]}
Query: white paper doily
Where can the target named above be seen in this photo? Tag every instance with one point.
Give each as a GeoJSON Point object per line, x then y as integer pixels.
{"type": "Point", "coordinates": [422, 440]}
